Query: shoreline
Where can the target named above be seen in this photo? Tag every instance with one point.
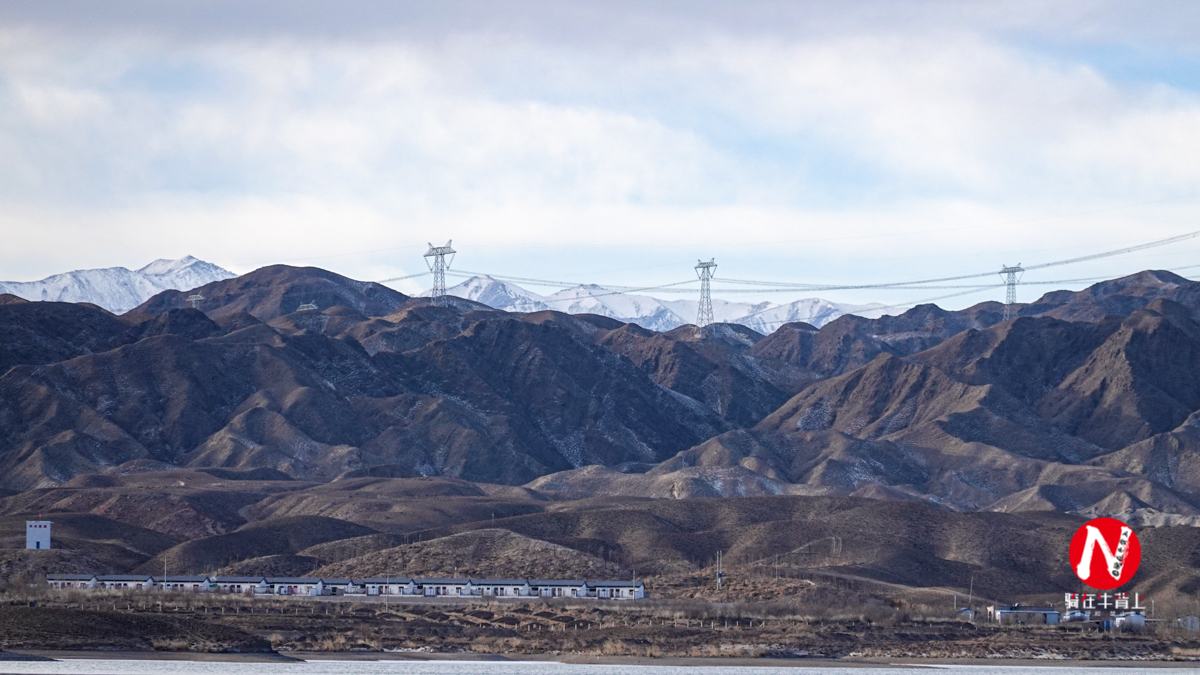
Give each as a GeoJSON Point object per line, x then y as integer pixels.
{"type": "Point", "coordinates": [582, 659]}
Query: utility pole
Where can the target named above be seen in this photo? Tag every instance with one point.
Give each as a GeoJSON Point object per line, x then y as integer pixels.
{"type": "Point", "coordinates": [195, 299]}
{"type": "Point", "coordinates": [719, 575]}
{"type": "Point", "coordinates": [971, 598]}
{"type": "Point", "coordinates": [435, 258]}
{"type": "Point", "coordinates": [704, 313]}
{"type": "Point", "coordinates": [1011, 276]}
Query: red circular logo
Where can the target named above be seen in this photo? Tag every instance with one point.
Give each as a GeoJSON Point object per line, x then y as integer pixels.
{"type": "Point", "coordinates": [1105, 553]}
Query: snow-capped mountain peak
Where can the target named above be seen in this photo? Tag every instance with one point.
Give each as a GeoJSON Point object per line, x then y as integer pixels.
{"type": "Point", "coordinates": [118, 289]}
{"type": "Point", "coordinates": [168, 266]}
{"type": "Point", "coordinates": [499, 294]}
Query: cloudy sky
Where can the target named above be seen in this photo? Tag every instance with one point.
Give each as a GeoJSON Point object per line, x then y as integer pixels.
{"type": "Point", "coordinates": [608, 142]}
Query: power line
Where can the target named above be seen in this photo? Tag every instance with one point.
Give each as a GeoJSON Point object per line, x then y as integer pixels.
{"type": "Point", "coordinates": [1120, 251]}
{"type": "Point", "coordinates": [1056, 263]}
{"type": "Point", "coordinates": [644, 288]}
{"type": "Point", "coordinates": [439, 269]}
{"type": "Point", "coordinates": [411, 276]}
{"type": "Point", "coordinates": [1021, 221]}
{"type": "Point", "coordinates": [559, 284]}
{"type": "Point", "coordinates": [337, 255]}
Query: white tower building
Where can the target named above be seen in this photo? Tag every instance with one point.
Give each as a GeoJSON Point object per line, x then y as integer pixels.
{"type": "Point", "coordinates": [37, 534]}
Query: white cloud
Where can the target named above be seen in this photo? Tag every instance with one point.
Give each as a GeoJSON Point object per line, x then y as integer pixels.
{"type": "Point", "coordinates": [249, 149]}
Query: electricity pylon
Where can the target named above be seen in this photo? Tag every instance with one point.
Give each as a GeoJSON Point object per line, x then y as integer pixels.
{"type": "Point", "coordinates": [704, 313]}
{"type": "Point", "coordinates": [1011, 276]}
{"type": "Point", "coordinates": [435, 258]}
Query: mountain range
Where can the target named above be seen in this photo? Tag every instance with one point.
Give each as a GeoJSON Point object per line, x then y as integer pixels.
{"type": "Point", "coordinates": [118, 289]}
{"type": "Point", "coordinates": [654, 313]}
{"type": "Point", "coordinates": [1081, 390]}
{"type": "Point", "coordinates": [297, 393]}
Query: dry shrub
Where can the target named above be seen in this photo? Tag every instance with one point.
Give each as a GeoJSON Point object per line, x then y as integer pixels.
{"type": "Point", "coordinates": [332, 643]}
{"type": "Point", "coordinates": [170, 645]}
{"type": "Point", "coordinates": [618, 647]}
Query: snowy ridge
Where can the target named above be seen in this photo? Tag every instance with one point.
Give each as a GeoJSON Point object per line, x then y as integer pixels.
{"type": "Point", "coordinates": [118, 289]}
{"type": "Point", "coordinates": [652, 313]}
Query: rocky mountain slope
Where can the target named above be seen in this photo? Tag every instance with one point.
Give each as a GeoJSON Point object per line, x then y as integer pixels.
{"type": "Point", "coordinates": [118, 289]}
{"type": "Point", "coordinates": [957, 408]}
{"type": "Point", "coordinates": [374, 380]}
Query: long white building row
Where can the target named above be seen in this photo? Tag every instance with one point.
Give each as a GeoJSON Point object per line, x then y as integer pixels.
{"type": "Point", "coordinates": [313, 586]}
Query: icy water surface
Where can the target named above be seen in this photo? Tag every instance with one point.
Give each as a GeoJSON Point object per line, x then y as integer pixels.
{"type": "Point", "coordinates": [146, 667]}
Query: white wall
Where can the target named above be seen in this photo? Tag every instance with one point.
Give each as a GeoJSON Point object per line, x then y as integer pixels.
{"type": "Point", "coordinates": [37, 534]}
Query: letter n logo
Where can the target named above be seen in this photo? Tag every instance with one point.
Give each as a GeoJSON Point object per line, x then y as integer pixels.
{"type": "Point", "coordinates": [1105, 553]}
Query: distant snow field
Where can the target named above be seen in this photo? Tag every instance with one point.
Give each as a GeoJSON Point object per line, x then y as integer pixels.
{"type": "Point", "coordinates": [655, 314]}
{"type": "Point", "coordinates": [118, 289]}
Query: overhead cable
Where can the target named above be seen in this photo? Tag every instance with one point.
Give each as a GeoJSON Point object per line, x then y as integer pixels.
{"type": "Point", "coordinates": [564, 284]}
{"type": "Point", "coordinates": [403, 278]}
{"type": "Point", "coordinates": [1056, 263]}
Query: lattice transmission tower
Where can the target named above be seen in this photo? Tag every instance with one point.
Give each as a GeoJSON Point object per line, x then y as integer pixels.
{"type": "Point", "coordinates": [435, 258]}
{"type": "Point", "coordinates": [705, 271]}
{"type": "Point", "coordinates": [195, 299]}
{"type": "Point", "coordinates": [1011, 276]}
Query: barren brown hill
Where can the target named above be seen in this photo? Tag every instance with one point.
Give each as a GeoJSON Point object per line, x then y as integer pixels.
{"type": "Point", "coordinates": [906, 543]}
{"type": "Point", "coordinates": [266, 538]}
{"type": "Point", "coordinates": [488, 553]}
{"type": "Point", "coordinates": [274, 291]}
{"type": "Point", "coordinates": [182, 504]}
{"type": "Point", "coordinates": [401, 505]}
{"type": "Point", "coordinates": [60, 628]}
{"type": "Point", "coordinates": [38, 333]}
{"type": "Point", "coordinates": [278, 565]}
{"type": "Point", "coordinates": [1117, 297]}
{"type": "Point", "coordinates": [79, 540]}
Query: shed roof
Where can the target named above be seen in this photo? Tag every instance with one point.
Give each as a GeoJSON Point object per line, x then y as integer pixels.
{"type": "Point", "coordinates": [125, 577]}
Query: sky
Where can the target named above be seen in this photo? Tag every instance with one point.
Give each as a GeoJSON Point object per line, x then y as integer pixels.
{"type": "Point", "coordinates": [605, 142]}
